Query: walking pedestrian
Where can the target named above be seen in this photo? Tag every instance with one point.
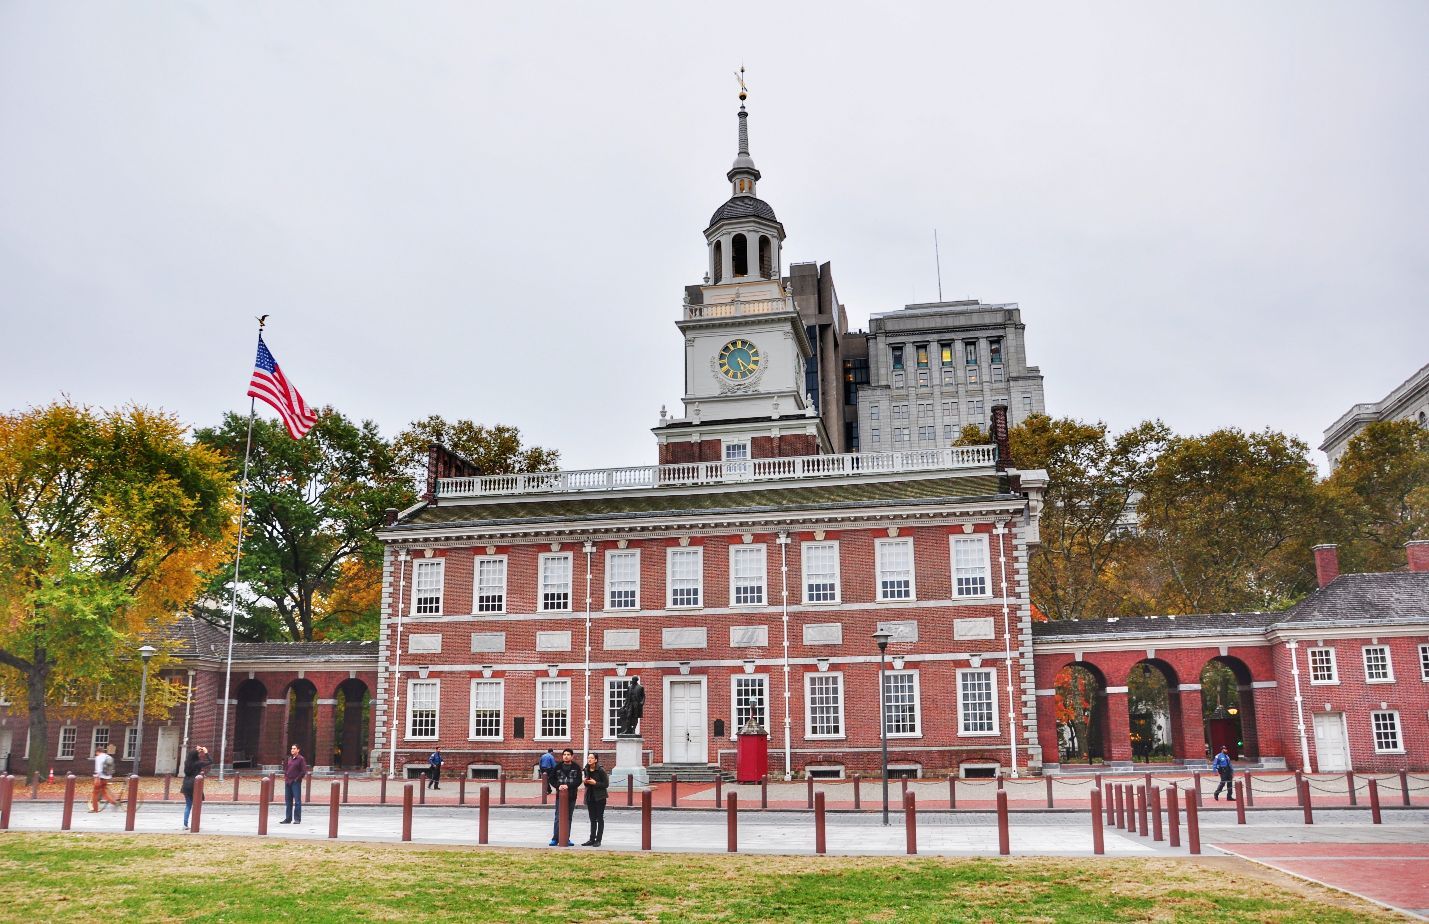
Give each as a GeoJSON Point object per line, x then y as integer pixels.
{"type": "Point", "coordinates": [103, 773]}
{"type": "Point", "coordinates": [294, 769]}
{"type": "Point", "coordinates": [547, 764]}
{"type": "Point", "coordinates": [597, 787]}
{"type": "Point", "coordinates": [434, 769]}
{"type": "Point", "coordinates": [564, 777]}
{"type": "Point", "coordinates": [1222, 765]}
{"type": "Point", "coordinates": [195, 763]}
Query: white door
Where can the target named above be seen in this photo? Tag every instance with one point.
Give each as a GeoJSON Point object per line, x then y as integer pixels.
{"type": "Point", "coordinates": [1332, 753]}
{"type": "Point", "coordinates": [7, 738]}
{"type": "Point", "coordinates": [686, 708]}
{"type": "Point", "coordinates": [167, 758]}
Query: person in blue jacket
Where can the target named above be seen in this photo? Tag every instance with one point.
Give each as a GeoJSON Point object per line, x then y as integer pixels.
{"type": "Point", "coordinates": [1222, 765]}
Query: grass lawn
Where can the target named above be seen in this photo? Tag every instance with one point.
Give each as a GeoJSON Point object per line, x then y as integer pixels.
{"type": "Point", "coordinates": [55, 877]}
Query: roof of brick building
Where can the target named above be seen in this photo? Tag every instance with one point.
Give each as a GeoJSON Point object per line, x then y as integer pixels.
{"type": "Point", "coordinates": [196, 639]}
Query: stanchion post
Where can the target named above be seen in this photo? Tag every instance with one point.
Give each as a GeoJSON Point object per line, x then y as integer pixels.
{"type": "Point", "coordinates": [1173, 819]}
{"type": "Point", "coordinates": [903, 788]}
{"type": "Point", "coordinates": [1305, 801]}
{"type": "Point", "coordinates": [461, 790]}
{"type": "Point", "coordinates": [1193, 826]}
{"type": "Point", "coordinates": [545, 787]}
{"type": "Point", "coordinates": [674, 790]}
{"type": "Point", "coordinates": [910, 822]}
{"type": "Point", "coordinates": [858, 795]}
{"type": "Point", "coordinates": [406, 811]}
{"type": "Point", "coordinates": [265, 798]}
{"type": "Point", "coordinates": [334, 800]}
{"type": "Point", "coordinates": [1249, 791]}
{"type": "Point", "coordinates": [67, 816]}
{"type": "Point", "coordinates": [1098, 837]}
{"type": "Point", "coordinates": [307, 787]}
{"type": "Point", "coordinates": [1374, 801]}
{"type": "Point", "coordinates": [764, 792]}
{"type": "Point", "coordinates": [235, 786]}
{"type": "Point", "coordinates": [1155, 793]}
{"type": "Point", "coordinates": [1114, 797]}
{"type": "Point", "coordinates": [1141, 808]}
{"type": "Point", "coordinates": [809, 780]}
{"type": "Point", "coordinates": [731, 823]}
{"type": "Point", "coordinates": [1404, 786]}
{"type": "Point", "coordinates": [422, 790]}
{"type": "Point", "coordinates": [483, 814]}
{"type": "Point", "coordinates": [168, 780]}
{"type": "Point", "coordinates": [1196, 787]}
{"type": "Point", "coordinates": [131, 802]}
{"type": "Point", "coordinates": [563, 817]}
{"type": "Point", "coordinates": [382, 791]}
{"type": "Point", "coordinates": [1004, 836]}
{"type": "Point", "coordinates": [1147, 780]}
{"type": "Point", "coordinates": [1110, 803]}
{"type": "Point", "coordinates": [821, 845]}
{"type": "Point", "coordinates": [629, 791]}
{"type": "Point", "coordinates": [719, 790]}
{"type": "Point", "coordinates": [952, 793]}
{"type": "Point", "coordinates": [501, 787]}
{"type": "Point", "coordinates": [7, 796]}
{"type": "Point", "coordinates": [1049, 791]}
{"type": "Point", "coordinates": [195, 817]}
{"type": "Point", "coordinates": [1299, 787]}
{"type": "Point", "coordinates": [1239, 796]}
{"type": "Point", "coordinates": [1350, 785]}
{"type": "Point", "coordinates": [645, 801]}
{"type": "Point", "coordinates": [346, 781]}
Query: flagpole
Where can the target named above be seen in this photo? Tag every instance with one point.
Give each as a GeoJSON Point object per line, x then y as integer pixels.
{"type": "Point", "coordinates": [237, 558]}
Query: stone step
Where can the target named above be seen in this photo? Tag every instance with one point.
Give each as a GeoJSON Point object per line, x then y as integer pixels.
{"type": "Point", "coordinates": [694, 773]}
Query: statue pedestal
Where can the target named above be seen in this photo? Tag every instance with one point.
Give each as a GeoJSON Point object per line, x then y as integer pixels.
{"type": "Point", "coordinates": [629, 763]}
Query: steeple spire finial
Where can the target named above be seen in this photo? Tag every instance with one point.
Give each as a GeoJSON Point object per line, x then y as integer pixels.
{"type": "Point", "coordinates": [743, 175]}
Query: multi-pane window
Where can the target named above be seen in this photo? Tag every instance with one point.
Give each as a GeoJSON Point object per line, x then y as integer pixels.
{"type": "Point", "coordinates": [1386, 732]}
{"type": "Point", "coordinates": [622, 580]}
{"type": "Point", "coordinates": [1376, 664]}
{"type": "Point", "coordinates": [101, 739]}
{"type": "Point", "coordinates": [900, 703]}
{"type": "Point", "coordinates": [427, 587]}
{"type": "Point", "coordinates": [994, 351]}
{"type": "Point", "coordinates": [996, 374]}
{"type": "Point", "coordinates": [423, 698]}
{"type": "Point", "coordinates": [927, 433]}
{"type": "Point", "coordinates": [947, 431]}
{"type": "Point", "coordinates": [736, 459]}
{"type": "Point", "coordinates": [972, 375]}
{"type": "Point", "coordinates": [556, 581]}
{"type": "Point", "coordinates": [894, 559]}
{"type": "Point", "coordinates": [873, 412]}
{"type": "Point", "coordinates": [821, 572]}
{"type": "Point", "coordinates": [490, 585]}
{"type": "Point", "coordinates": [68, 736]}
{"type": "Point", "coordinates": [975, 411]}
{"type": "Point", "coordinates": [615, 688]}
{"type": "Point", "coordinates": [945, 353]}
{"type": "Point", "coordinates": [970, 353]}
{"type": "Point", "coordinates": [897, 358]}
{"type": "Point", "coordinates": [900, 412]}
{"type": "Point", "coordinates": [746, 575]}
{"type": "Point", "coordinates": [875, 435]}
{"type": "Point", "coordinates": [1322, 665]}
{"type": "Point", "coordinates": [825, 698]}
{"type": "Point", "coordinates": [977, 702]}
{"type": "Point", "coordinates": [751, 701]}
{"type": "Point", "coordinates": [922, 353]}
{"type": "Point", "coordinates": [925, 409]}
{"type": "Point", "coordinates": [1027, 404]}
{"type": "Point", "coordinates": [686, 576]}
{"type": "Point", "coordinates": [131, 741]}
{"type": "Point", "coordinates": [947, 409]}
{"type": "Point", "coordinates": [1424, 662]}
{"type": "Point", "coordinates": [486, 705]}
{"type": "Point", "coordinates": [970, 566]}
{"type": "Point", "coordinates": [553, 708]}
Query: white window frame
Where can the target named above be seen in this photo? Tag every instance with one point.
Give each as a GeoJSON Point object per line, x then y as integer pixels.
{"type": "Point", "coordinates": [546, 559]}
{"type": "Point", "coordinates": [1334, 677]}
{"type": "Point", "coordinates": [759, 553]}
{"type": "Point", "coordinates": [62, 745]}
{"type": "Point", "coordinates": [1388, 664]}
{"type": "Point", "coordinates": [879, 547]}
{"type": "Point", "coordinates": [94, 744]}
{"type": "Point", "coordinates": [980, 542]}
{"type": "Point", "coordinates": [804, 565]}
{"type": "Point", "coordinates": [611, 701]}
{"type": "Point", "coordinates": [1398, 731]}
{"type": "Point", "coordinates": [412, 685]}
{"type": "Point", "coordinates": [542, 684]}
{"type": "Point", "coordinates": [963, 731]}
{"type": "Point", "coordinates": [500, 687]}
{"type": "Point", "coordinates": [809, 681]}
{"type": "Point", "coordinates": [131, 741]}
{"type": "Point", "coordinates": [476, 590]}
{"type": "Point", "coordinates": [1424, 663]}
{"type": "Point", "coordinates": [735, 681]}
{"type": "Point", "coordinates": [420, 565]}
{"type": "Point", "coordinates": [610, 588]}
{"type": "Point", "coordinates": [671, 554]}
{"type": "Point", "coordinates": [917, 730]}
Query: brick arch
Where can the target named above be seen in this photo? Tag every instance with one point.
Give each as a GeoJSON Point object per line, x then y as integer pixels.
{"type": "Point", "coordinates": [1047, 729]}
{"type": "Point", "coordinates": [1244, 701]}
{"type": "Point", "coordinates": [302, 714]}
{"type": "Point", "coordinates": [1175, 718]}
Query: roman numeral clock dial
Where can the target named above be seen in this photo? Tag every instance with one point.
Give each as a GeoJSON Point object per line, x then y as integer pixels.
{"type": "Point", "coordinates": [739, 360]}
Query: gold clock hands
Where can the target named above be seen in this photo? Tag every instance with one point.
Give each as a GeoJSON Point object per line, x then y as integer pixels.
{"type": "Point", "coordinates": [743, 366]}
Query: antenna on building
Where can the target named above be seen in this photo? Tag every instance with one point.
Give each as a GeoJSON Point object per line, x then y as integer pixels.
{"type": "Point", "coordinates": [938, 262]}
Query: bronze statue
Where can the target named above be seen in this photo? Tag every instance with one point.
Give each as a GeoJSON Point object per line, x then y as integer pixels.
{"type": "Point", "coordinates": [632, 709]}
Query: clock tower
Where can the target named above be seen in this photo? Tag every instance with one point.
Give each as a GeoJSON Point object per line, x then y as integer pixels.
{"type": "Point", "coordinates": [746, 347]}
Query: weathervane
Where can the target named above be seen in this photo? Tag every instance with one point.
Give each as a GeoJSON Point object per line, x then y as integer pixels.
{"type": "Point", "coordinates": [743, 90]}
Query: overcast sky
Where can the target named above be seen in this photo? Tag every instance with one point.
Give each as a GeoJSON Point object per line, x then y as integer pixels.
{"type": "Point", "coordinates": [1216, 214]}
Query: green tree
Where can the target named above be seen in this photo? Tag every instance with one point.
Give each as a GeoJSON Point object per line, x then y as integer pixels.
{"type": "Point", "coordinates": [495, 450]}
{"type": "Point", "coordinates": [312, 507]}
{"type": "Point", "coordinates": [1379, 492]}
{"type": "Point", "coordinates": [106, 519]}
{"type": "Point", "coordinates": [1230, 517]}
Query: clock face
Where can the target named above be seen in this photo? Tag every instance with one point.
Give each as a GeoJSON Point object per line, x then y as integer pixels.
{"type": "Point", "coordinates": [739, 359]}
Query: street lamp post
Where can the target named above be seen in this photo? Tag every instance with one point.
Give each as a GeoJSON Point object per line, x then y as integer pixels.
{"type": "Point", "coordinates": [145, 653]}
{"type": "Point", "coordinates": [881, 637]}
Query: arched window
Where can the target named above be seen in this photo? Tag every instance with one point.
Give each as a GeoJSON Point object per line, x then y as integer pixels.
{"type": "Point", "coordinates": [740, 252]}
{"type": "Point", "coordinates": [718, 261]}
{"type": "Point", "coordinates": [766, 257]}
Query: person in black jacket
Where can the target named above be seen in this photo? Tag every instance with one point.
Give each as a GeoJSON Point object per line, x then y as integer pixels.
{"type": "Point", "coordinates": [565, 776]}
{"type": "Point", "coordinates": [597, 786]}
{"type": "Point", "coordinates": [196, 762]}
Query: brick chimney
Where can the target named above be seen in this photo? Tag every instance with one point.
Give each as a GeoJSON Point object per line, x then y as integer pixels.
{"type": "Point", "coordinates": [1327, 563]}
{"type": "Point", "coordinates": [1418, 553]}
{"type": "Point", "coordinates": [999, 436]}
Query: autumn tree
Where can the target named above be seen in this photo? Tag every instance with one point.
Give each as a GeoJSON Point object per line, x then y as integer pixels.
{"type": "Point", "coordinates": [106, 520]}
{"type": "Point", "coordinates": [495, 450]}
{"type": "Point", "coordinates": [1379, 494]}
{"type": "Point", "coordinates": [312, 507]}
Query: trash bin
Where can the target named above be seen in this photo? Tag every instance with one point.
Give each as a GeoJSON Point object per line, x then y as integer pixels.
{"type": "Point", "coordinates": [752, 761]}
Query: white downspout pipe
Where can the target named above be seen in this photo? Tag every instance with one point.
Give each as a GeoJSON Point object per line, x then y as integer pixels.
{"type": "Point", "coordinates": [188, 715]}
{"type": "Point", "coordinates": [784, 595]}
{"type": "Point", "coordinates": [1001, 531]}
{"type": "Point", "coordinates": [589, 548]}
{"type": "Point", "coordinates": [397, 666]}
{"type": "Point", "coordinates": [1299, 707]}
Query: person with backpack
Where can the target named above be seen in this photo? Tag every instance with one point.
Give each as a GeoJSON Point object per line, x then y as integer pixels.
{"type": "Point", "coordinates": [434, 769]}
{"type": "Point", "coordinates": [1222, 765]}
{"type": "Point", "coordinates": [195, 763]}
{"type": "Point", "coordinates": [103, 773]}
{"type": "Point", "coordinates": [566, 776]}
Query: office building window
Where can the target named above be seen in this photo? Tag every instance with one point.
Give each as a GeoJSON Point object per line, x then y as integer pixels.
{"type": "Point", "coordinates": [897, 359]}
{"type": "Point", "coordinates": [970, 353]}
{"type": "Point", "coordinates": [873, 412]}
{"type": "Point", "coordinates": [994, 351]}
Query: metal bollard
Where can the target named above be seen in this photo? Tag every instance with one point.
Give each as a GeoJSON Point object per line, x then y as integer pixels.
{"type": "Point", "coordinates": [1004, 837]}
{"type": "Point", "coordinates": [1155, 793]}
{"type": "Point", "coordinates": [1374, 801]}
{"type": "Point", "coordinates": [461, 790]}
{"type": "Point", "coordinates": [1239, 797]}
{"type": "Point", "coordinates": [195, 817]}
{"type": "Point", "coordinates": [1143, 808]}
{"type": "Point", "coordinates": [168, 779]}
{"type": "Point", "coordinates": [1098, 837]}
{"type": "Point", "coordinates": [821, 845]}
{"type": "Point", "coordinates": [7, 796]}
{"type": "Point", "coordinates": [858, 796]}
{"type": "Point", "coordinates": [1147, 780]}
{"type": "Point", "coordinates": [1098, 784]}
{"type": "Point", "coordinates": [563, 817]}
{"type": "Point", "coordinates": [346, 780]}
{"type": "Point", "coordinates": [235, 786]}
{"type": "Point", "coordinates": [810, 781]}
{"type": "Point", "coordinates": [910, 822]}
{"type": "Point", "coordinates": [131, 802]}
{"type": "Point", "coordinates": [1193, 826]}
{"type": "Point", "coordinates": [645, 801]}
{"type": "Point", "coordinates": [1173, 821]}
{"type": "Point", "coordinates": [952, 793]}
{"type": "Point", "coordinates": [764, 792]}
{"type": "Point", "coordinates": [1249, 792]}
{"type": "Point", "coordinates": [67, 817]}
{"type": "Point", "coordinates": [422, 791]}
{"type": "Point", "coordinates": [999, 781]}
{"type": "Point", "coordinates": [265, 798]}
{"type": "Point", "coordinates": [1196, 785]}
{"type": "Point", "coordinates": [719, 790]}
{"type": "Point", "coordinates": [731, 823]}
{"type": "Point", "coordinates": [903, 789]}
{"type": "Point", "coordinates": [406, 811]}
{"type": "Point", "coordinates": [1049, 791]}
{"type": "Point", "coordinates": [334, 800]}
{"type": "Point", "coordinates": [501, 788]}
{"type": "Point", "coordinates": [1110, 803]}
{"type": "Point", "coordinates": [545, 790]}
{"type": "Point", "coordinates": [1115, 799]}
{"type": "Point", "coordinates": [629, 791]}
{"type": "Point", "coordinates": [307, 788]}
{"type": "Point", "coordinates": [1305, 801]}
{"type": "Point", "coordinates": [1299, 779]}
{"type": "Point", "coordinates": [382, 791]}
{"type": "Point", "coordinates": [1350, 785]}
{"type": "Point", "coordinates": [483, 814]}
{"type": "Point", "coordinates": [1404, 786]}
{"type": "Point", "coordinates": [674, 790]}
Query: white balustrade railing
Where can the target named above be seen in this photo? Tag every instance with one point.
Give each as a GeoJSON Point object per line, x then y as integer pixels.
{"type": "Point", "coordinates": [694, 473]}
{"type": "Point", "coordinates": [738, 309]}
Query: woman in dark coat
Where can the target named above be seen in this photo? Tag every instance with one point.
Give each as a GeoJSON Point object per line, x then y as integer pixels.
{"type": "Point", "coordinates": [597, 786]}
{"type": "Point", "coordinates": [196, 763]}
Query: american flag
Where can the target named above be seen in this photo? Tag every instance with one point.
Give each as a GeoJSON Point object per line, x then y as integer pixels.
{"type": "Point", "coordinates": [272, 387]}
